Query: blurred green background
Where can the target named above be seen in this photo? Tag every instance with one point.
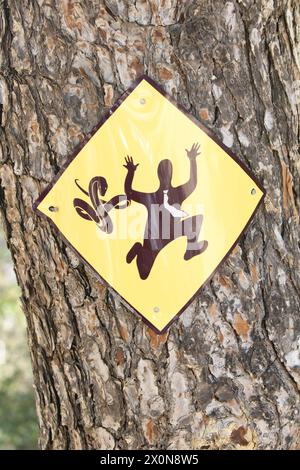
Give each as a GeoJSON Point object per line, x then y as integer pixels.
{"type": "Point", "coordinates": [18, 421]}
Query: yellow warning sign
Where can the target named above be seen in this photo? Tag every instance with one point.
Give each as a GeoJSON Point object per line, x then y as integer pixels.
{"type": "Point", "coordinates": [153, 203]}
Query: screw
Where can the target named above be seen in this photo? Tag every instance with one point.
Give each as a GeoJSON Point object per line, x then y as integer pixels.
{"type": "Point", "coordinates": [253, 191]}
{"type": "Point", "coordinates": [156, 309]}
{"type": "Point", "coordinates": [142, 101]}
{"type": "Point", "coordinates": [53, 209]}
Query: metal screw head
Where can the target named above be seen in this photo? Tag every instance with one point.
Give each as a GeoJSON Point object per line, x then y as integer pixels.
{"type": "Point", "coordinates": [156, 309]}
{"type": "Point", "coordinates": [253, 191]}
{"type": "Point", "coordinates": [142, 101]}
{"type": "Point", "coordinates": [53, 209]}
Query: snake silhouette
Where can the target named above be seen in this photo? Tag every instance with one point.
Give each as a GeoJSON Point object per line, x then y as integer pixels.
{"type": "Point", "coordinates": [98, 210]}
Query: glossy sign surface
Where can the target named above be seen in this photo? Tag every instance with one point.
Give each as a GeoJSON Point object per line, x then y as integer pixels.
{"type": "Point", "coordinates": [153, 202]}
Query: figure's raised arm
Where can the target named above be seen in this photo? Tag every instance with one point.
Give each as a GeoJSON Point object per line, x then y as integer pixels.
{"type": "Point", "coordinates": [131, 194]}
{"type": "Point", "coordinates": [187, 188]}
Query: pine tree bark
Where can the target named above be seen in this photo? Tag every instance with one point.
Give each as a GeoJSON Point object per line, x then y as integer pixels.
{"type": "Point", "coordinates": [226, 375]}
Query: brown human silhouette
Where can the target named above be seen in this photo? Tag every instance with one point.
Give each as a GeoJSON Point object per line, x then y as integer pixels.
{"type": "Point", "coordinates": [165, 220]}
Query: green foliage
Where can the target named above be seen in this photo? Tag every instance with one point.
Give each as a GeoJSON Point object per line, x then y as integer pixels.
{"type": "Point", "coordinates": [18, 422]}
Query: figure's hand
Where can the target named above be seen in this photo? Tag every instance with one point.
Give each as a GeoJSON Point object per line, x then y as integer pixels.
{"type": "Point", "coordinates": [194, 152]}
{"type": "Point", "coordinates": [130, 166]}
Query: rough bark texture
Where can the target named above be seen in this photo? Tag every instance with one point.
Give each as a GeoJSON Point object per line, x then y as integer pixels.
{"type": "Point", "coordinates": [227, 373]}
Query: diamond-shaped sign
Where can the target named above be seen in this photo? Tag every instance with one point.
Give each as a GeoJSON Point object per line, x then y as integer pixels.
{"type": "Point", "coordinates": [153, 202]}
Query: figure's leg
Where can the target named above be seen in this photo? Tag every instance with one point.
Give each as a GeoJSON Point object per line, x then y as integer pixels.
{"type": "Point", "coordinates": [132, 253]}
{"type": "Point", "coordinates": [192, 227]}
{"type": "Point", "coordinates": [190, 253]}
{"type": "Point", "coordinates": [145, 260]}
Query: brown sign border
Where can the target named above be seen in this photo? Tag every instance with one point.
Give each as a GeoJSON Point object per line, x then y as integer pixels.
{"type": "Point", "coordinates": [83, 143]}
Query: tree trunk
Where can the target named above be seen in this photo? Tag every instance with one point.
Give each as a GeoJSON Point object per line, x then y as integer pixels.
{"type": "Point", "coordinates": [226, 375]}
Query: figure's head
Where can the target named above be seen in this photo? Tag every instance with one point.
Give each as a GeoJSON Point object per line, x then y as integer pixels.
{"type": "Point", "coordinates": [164, 172]}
